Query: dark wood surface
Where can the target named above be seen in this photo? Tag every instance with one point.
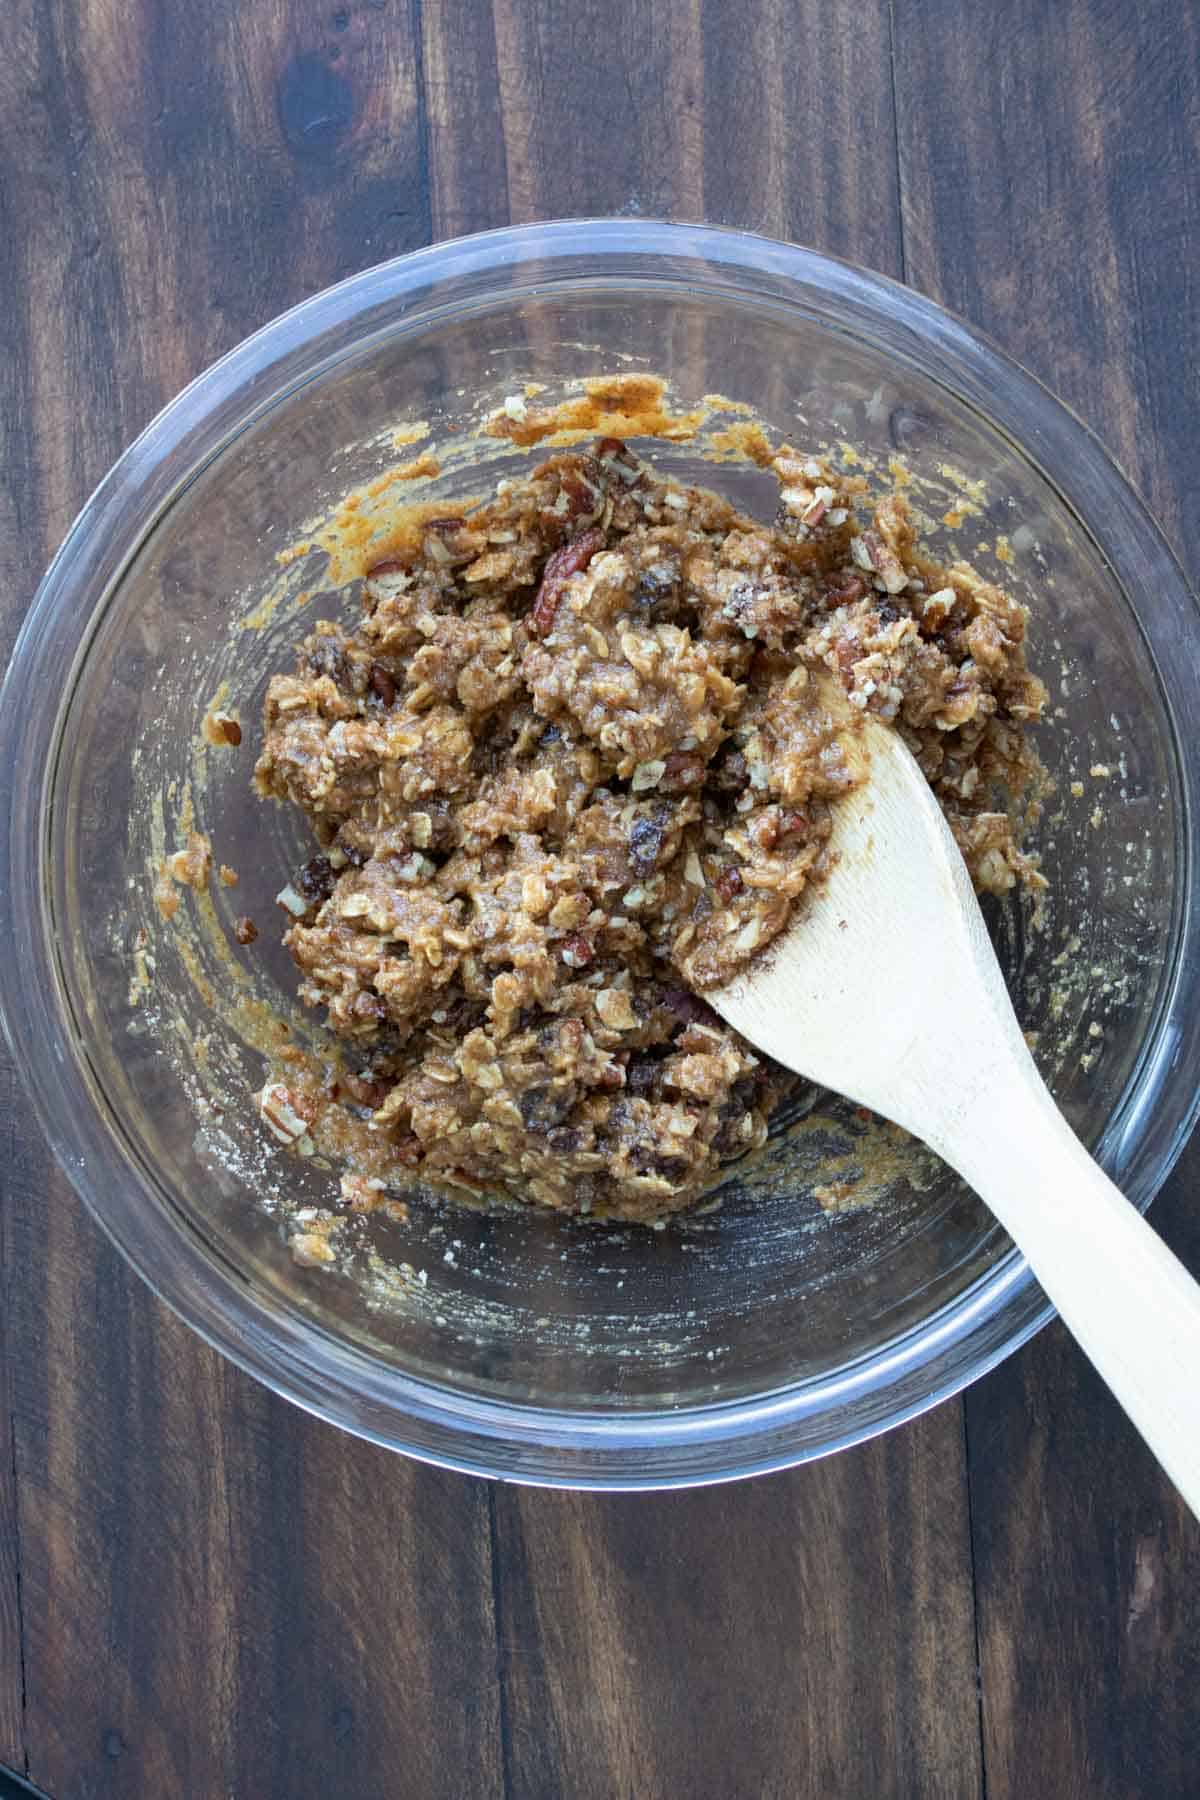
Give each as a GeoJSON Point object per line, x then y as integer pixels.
{"type": "Point", "coordinates": [202, 1591]}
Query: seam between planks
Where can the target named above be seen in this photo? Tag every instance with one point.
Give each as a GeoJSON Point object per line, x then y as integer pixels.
{"type": "Point", "coordinates": [417, 32]}
{"type": "Point", "coordinates": [16, 1492]}
{"type": "Point", "coordinates": [891, 13]}
{"type": "Point", "coordinates": [498, 1630]}
{"type": "Point", "coordinates": [961, 1401]}
{"type": "Point", "coordinates": [10, 1413]}
{"type": "Point", "coordinates": [967, 1476]}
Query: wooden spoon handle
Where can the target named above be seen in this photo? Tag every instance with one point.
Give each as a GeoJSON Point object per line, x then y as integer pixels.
{"type": "Point", "coordinates": [1130, 1304]}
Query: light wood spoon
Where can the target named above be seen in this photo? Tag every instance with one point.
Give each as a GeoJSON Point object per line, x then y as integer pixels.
{"type": "Point", "coordinates": [886, 988]}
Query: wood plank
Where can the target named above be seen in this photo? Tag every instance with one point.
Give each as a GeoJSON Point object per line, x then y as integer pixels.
{"type": "Point", "coordinates": [808, 1633]}
{"type": "Point", "coordinates": [221, 1595]}
{"type": "Point", "coordinates": [1054, 205]}
{"type": "Point", "coordinates": [813, 1632]}
{"type": "Point", "coordinates": [1088, 1569]}
{"type": "Point", "coordinates": [16, 1152]}
{"type": "Point", "coordinates": [634, 110]}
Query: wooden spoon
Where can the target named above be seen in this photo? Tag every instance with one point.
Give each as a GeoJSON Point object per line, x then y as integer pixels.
{"type": "Point", "coordinates": [887, 989]}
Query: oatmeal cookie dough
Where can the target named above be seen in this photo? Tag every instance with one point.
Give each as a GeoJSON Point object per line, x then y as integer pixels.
{"type": "Point", "coordinates": [574, 765]}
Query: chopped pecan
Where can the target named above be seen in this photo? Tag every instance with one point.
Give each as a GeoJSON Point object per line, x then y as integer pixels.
{"type": "Point", "coordinates": [285, 1113]}
{"type": "Point", "coordinates": [584, 489]}
{"type": "Point", "coordinates": [845, 591]}
{"type": "Point", "coordinates": [683, 770]}
{"type": "Point", "coordinates": [564, 563]}
{"type": "Point", "coordinates": [576, 950]}
{"type": "Point", "coordinates": [365, 1090]}
{"type": "Point", "coordinates": [611, 450]}
{"type": "Point", "coordinates": [875, 554]}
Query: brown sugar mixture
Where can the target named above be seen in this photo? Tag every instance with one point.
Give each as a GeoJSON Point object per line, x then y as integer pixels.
{"type": "Point", "coordinates": [571, 768]}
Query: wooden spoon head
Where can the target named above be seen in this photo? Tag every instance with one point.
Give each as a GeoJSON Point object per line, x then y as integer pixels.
{"type": "Point", "coordinates": [885, 985]}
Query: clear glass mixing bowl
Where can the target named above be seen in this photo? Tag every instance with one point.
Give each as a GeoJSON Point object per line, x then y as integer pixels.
{"type": "Point", "coordinates": [757, 1335]}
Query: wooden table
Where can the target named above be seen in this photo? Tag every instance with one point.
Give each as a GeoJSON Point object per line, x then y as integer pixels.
{"type": "Point", "coordinates": [205, 1593]}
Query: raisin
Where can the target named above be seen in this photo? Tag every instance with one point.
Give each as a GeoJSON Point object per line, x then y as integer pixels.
{"type": "Point", "coordinates": [382, 684]}
{"type": "Point", "coordinates": [370, 1008]}
{"type": "Point", "coordinates": [657, 587]}
{"type": "Point", "coordinates": [740, 1103]}
{"type": "Point", "coordinates": [564, 563]}
{"type": "Point", "coordinates": [329, 659]}
{"type": "Point", "coordinates": [729, 882]}
{"type": "Point", "coordinates": [542, 1108]}
{"type": "Point", "coordinates": [641, 1075]}
{"type": "Point", "coordinates": [729, 775]}
{"type": "Point", "coordinates": [316, 880]}
{"type": "Point", "coordinates": [645, 845]}
{"type": "Point", "coordinates": [687, 1007]}
{"type": "Point", "coordinates": [384, 1049]}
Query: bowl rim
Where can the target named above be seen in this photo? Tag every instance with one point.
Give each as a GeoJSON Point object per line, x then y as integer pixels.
{"type": "Point", "coordinates": [293, 1355]}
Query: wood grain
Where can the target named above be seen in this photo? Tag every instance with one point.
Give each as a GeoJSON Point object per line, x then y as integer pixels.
{"type": "Point", "coordinates": [1088, 1571]}
{"type": "Point", "coordinates": [723, 1642]}
{"type": "Point", "coordinates": [633, 110]}
{"type": "Point", "coordinates": [221, 1596]}
{"type": "Point", "coordinates": [1056, 206]}
{"type": "Point", "coordinates": [12, 1722]}
{"type": "Point", "coordinates": [807, 1634]}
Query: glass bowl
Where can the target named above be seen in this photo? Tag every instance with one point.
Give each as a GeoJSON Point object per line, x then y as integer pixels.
{"type": "Point", "coordinates": [513, 1344]}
